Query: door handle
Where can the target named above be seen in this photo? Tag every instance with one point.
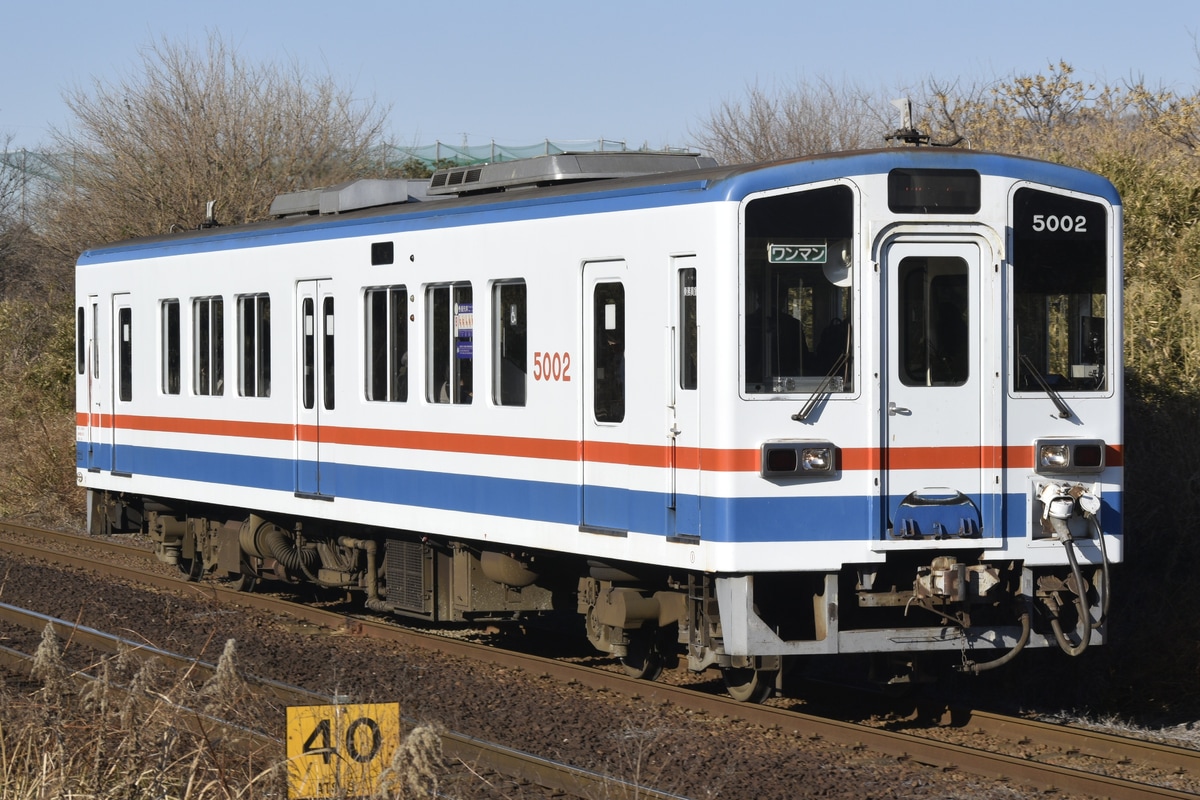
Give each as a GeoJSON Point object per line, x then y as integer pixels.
{"type": "Point", "coordinates": [894, 409]}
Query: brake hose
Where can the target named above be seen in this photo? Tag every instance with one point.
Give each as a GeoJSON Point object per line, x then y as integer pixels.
{"type": "Point", "coordinates": [1081, 607]}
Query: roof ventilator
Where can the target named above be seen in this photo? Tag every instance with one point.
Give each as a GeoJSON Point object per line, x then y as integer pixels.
{"type": "Point", "coordinates": [351, 196]}
{"type": "Point", "coordinates": [559, 168]}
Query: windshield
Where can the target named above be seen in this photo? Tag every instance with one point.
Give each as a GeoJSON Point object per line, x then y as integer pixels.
{"type": "Point", "coordinates": [1059, 268]}
{"type": "Point", "coordinates": [797, 290]}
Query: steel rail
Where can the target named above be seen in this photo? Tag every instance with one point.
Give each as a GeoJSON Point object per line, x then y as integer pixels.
{"type": "Point", "coordinates": [935, 753]}
{"type": "Point", "coordinates": [1098, 744]}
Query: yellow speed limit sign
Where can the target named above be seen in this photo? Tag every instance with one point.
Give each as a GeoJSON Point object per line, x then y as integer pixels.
{"type": "Point", "coordinates": [339, 751]}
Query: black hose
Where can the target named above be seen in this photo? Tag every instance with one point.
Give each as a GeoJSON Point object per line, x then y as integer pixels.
{"type": "Point", "coordinates": [284, 550]}
{"type": "Point", "coordinates": [1081, 607]}
{"type": "Point", "coordinates": [975, 668]}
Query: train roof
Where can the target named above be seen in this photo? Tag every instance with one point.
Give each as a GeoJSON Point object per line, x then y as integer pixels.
{"type": "Point", "coordinates": [410, 205]}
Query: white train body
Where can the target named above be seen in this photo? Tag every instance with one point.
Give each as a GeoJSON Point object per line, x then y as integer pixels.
{"type": "Point", "coordinates": [811, 407]}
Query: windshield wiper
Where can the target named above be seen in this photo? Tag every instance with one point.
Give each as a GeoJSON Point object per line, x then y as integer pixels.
{"type": "Point", "coordinates": [1063, 411]}
{"type": "Point", "coordinates": [822, 390]}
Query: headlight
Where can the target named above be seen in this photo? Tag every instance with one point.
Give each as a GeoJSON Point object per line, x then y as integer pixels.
{"type": "Point", "coordinates": [798, 459]}
{"type": "Point", "coordinates": [819, 459]}
{"type": "Point", "coordinates": [1056, 456]}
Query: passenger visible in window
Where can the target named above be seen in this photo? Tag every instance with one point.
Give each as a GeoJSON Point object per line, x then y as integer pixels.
{"type": "Point", "coordinates": [613, 407]}
{"type": "Point", "coordinates": [777, 338]}
{"type": "Point", "coordinates": [949, 363]}
{"type": "Point", "coordinates": [832, 343]}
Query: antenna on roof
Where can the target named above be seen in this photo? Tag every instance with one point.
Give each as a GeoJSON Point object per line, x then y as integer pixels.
{"type": "Point", "coordinates": [210, 215]}
{"type": "Point", "coordinates": [907, 134]}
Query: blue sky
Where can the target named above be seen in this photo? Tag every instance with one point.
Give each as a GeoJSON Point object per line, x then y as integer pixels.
{"type": "Point", "coordinates": [650, 72]}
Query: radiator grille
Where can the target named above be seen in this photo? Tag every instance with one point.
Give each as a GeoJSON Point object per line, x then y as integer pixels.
{"type": "Point", "coordinates": [405, 563]}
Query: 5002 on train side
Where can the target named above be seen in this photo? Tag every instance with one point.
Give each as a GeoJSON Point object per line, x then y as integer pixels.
{"type": "Point", "coordinates": [857, 403]}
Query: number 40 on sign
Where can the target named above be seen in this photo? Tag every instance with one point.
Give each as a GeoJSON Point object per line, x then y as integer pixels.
{"type": "Point", "coordinates": [339, 751]}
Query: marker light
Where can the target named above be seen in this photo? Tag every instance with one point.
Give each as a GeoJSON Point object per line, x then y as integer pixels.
{"type": "Point", "coordinates": [791, 458]}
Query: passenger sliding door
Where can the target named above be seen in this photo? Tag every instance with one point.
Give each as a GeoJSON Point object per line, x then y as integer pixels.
{"type": "Point", "coordinates": [96, 354]}
{"type": "Point", "coordinates": [315, 392]}
{"type": "Point", "coordinates": [606, 502]}
{"type": "Point", "coordinates": [121, 384]}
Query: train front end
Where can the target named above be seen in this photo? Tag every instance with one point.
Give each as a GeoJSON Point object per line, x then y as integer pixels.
{"type": "Point", "coordinates": [929, 352]}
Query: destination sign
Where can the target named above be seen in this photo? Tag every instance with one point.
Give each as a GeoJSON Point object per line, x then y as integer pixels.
{"type": "Point", "coordinates": [797, 253]}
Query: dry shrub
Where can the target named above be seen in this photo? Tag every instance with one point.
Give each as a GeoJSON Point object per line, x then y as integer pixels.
{"type": "Point", "coordinates": [415, 766]}
{"type": "Point", "coordinates": [120, 737]}
{"type": "Point", "coordinates": [37, 428]}
{"type": "Point", "coordinates": [226, 690]}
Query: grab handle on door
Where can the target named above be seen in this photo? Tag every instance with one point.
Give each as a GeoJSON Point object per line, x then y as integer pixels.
{"type": "Point", "coordinates": [894, 409]}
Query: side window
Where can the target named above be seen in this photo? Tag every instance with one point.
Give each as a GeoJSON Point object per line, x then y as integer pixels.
{"type": "Point", "coordinates": [688, 329]}
{"type": "Point", "coordinates": [609, 357]}
{"type": "Point", "coordinates": [254, 339]}
{"type": "Point", "coordinates": [450, 334]}
{"type": "Point", "coordinates": [170, 347]}
{"type": "Point", "coordinates": [509, 343]}
{"type": "Point", "coordinates": [327, 351]}
{"type": "Point", "coordinates": [208, 319]}
{"type": "Point", "coordinates": [308, 378]}
{"type": "Point", "coordinates": [80, 340]}
{"type": "Point", "coordinates": [125, 353]}
{"type": "Point", "coordinates": [387, 343]}
{"type": "Point", "coordinates": [95, 349]}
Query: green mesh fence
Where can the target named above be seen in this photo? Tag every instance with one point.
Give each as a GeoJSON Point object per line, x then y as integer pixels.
{"type": "Point", "coordinates": [442, 154]}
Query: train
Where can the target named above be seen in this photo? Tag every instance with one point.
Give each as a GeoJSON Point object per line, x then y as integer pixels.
{"type": "Point", "coordinates": [745, 416]}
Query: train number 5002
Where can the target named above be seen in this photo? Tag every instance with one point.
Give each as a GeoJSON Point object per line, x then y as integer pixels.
{"type": "Point", "coordinates": [1066, 223]}
{"type": "Point", "coordinates": [552, 366]}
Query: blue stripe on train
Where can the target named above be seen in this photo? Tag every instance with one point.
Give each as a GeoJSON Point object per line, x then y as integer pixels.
{"type": "Point", "coordinates": [747, 519]}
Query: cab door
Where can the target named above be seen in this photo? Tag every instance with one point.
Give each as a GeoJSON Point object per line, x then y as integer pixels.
{"type": "Point", "coordinates": [684, 402]}
{"type": "Point", "coordinates": [121, 384]}
{"type": "Point", "coordinates": [940, 391]}
{"type": "Point", "coordinates": [315, 396]}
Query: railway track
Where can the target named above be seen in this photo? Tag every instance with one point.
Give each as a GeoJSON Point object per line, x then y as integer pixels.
{"type": "Point", "coordinates": [1097, 764]}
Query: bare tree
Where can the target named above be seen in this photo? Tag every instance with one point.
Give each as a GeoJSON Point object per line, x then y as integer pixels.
{"type": "Point", "coordinates": [146, 153]}
{"type": "Point", "coordinates": [11, 179]}
{"type": "Point", "coordinates": [19, 243]}
{"type": "Point", "coordinates": [803, 119]}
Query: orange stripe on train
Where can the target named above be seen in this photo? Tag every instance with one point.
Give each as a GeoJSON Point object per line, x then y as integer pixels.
{"type": "Point", "coordinates": [852, 459]}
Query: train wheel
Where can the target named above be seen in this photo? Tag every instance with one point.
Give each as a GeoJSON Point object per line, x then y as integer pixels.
{"type": "Point", "coordinates": [243, 582]}
{"type": "Point", "coordinates": [191, 567]}
{"type": "Point", "coordinates": [643, 658]}
{"type": "Point", "coordinates": [748, 685]}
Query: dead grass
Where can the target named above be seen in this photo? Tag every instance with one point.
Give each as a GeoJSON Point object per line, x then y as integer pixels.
{"type": "Point", "coordinates": [120, 736]}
